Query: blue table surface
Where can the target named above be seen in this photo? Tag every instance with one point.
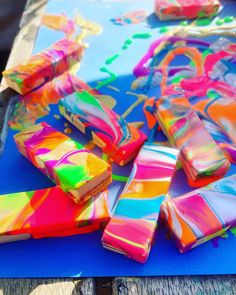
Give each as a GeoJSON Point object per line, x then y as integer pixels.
{"type": "Point", "coordinates": [83, 255]}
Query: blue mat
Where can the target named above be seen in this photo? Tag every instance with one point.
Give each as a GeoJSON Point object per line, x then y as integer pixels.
{"type": "Point", "coordinates": [83, 255]}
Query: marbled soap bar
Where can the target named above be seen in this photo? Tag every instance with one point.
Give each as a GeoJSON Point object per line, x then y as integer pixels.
{"type": "Point", "coordinates": [67, 163]}
{"type": "Point", "coordinates": [43, 67]}
{"type": "Point", "coordinates": [202, 214]}
{"type": "Point", "coordinates": [185, 9]}
{"type": "Point", "coordinates": [118, 139]}
{"type": "Point", "coordinates": [132, 227]}
{"type": "Point", "coordinates": [49, 213]}
{"type": "Point", "coordinates": [202, 160]}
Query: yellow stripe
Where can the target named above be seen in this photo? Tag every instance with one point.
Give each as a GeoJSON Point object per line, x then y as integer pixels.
{"type": "Point", "coordinates": [125, 240]}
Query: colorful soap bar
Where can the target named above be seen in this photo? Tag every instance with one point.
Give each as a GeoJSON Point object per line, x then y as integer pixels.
{"type": "Point", "coordinates": [202, 214]}
{"type": "Point", "coordinates": [44, 66]}
{"type": "Point", "coordinates": [202, 160]}
{"type": "Point", "coordinates": [49, 213]}
{"type": "Point", "coordinates": [67, 163]}
{"type": "Point", "coordinates": [132, 227]}
{"type": "Point", "coordinates": [185, 9]}
{"type": "Point", "coordinates": [35, 104]}
{"type": "Point", "coordinates": [118, 139]}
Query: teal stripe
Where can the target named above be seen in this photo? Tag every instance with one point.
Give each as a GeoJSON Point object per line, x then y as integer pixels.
{"type": "Point", "coordinates": [138, 208]}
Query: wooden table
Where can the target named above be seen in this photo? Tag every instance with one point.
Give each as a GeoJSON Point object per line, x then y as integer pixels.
{"type": "Point", "coordinates": [194, 285]}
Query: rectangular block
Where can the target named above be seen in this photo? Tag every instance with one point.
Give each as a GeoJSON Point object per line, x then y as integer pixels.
{"type": "Point", "coordinates": [201, 215]}
{"type": "Point", "coordinates": [35, 104]}
{"type": "Point", "coordinates": [44, 66]}
{"type": "Point", "coordinates": [49, 213]}
{"type": "Point", "coordinates": [67, 163]}
{"type": "Point", "coordinates": [118, 139]}
{"type": "Point", "coordinates": [202, 160]}
{"type": "Point", "coordinates": [186, 9]}
{"type": "Point", "coordinates": [133, 224]}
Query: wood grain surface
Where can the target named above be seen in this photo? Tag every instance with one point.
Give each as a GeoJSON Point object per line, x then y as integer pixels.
{"type": "Point", "coordinates": [189, 285]}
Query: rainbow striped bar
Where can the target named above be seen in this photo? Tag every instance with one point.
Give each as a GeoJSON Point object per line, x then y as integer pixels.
{"type": "Point", "coordinates": [201, 215]}
{"type": "Point", "coordinates": [186, 9]}
{"type": "Point", "coordinates": [49, 213]}
{"type": "Point", "coordinates": [44, 66]}
{"type": "Point", "coordinates": [118, 139]}
{"type": "Point", "coordinates": [77, 171]}
{"type": "Point", "coordinates": [132, 227]}
{"type": "Point", "coordinates": [202, 160]}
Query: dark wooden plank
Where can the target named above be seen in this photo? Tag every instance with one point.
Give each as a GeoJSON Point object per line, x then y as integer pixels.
{"type": "Point", "coordinates": [187, 285]}
{"type": "Point", "coordinates": [103, 286]}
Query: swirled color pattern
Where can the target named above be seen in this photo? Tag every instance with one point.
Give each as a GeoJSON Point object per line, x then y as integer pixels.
{"type": "Point", "coordinates": [35, 104]}
{"type": "Point", "coordinates": [132, 227]}
{"type": "Point", "coordinates": [67, 163]}
{"type": "Point", "coordinates": [202, 160]}
{"type": "Point", "coordinates": [43, 67]}
{"type": "Point", "coordinates": [49, 213]}
{"type": "Point", "coordinates": [118, 139]}
{"type": "Point", "coordinates": [202, 214]}
{"type": "Point", "coordinates": [178, 9]}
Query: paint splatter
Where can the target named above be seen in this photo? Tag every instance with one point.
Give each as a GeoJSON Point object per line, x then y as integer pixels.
{"type": "Point", "coordinates": [87, 28]}
{"type": "Point", "coordinates": [130, 18]}
{"type": "Point", "coordinates": [140, 99]}
{"type": "Point", "coordinates": [68, 130]}
{"type": "Point", "coordinates": [112, 58]}
{"type": "Point", "coordinates": [127, 43]}
{"type": "Point", "coordinates": [227, 19]}
{"type": "Point", "coordinates": [219, 22]}
{"type": "Point", "coordinates": [164, 30]}
{"type": "Point", "coordinates": [59, 23]}
{"type": "Point", "coordinates": [120, 177]}
{"type": "Point", "coordinates": [137, 125]}
{"type": "Point", "coordinates": [142, 35]}
{"type": "Point", "coordinates": [203, 22]}
{"type": "Point", "coordinates": [57, 117]}
{"type": "Point", "coordinates": [107, 81]}
{"type": "Point", "coordinates": [183, 23]}
{"type": "Point", "coordinates": [113, 88]}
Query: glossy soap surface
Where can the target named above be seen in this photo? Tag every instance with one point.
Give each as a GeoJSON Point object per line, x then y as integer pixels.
{"type": "Point", "coordinates": [201, 214]}
{"type": "Point", "coordinates": [48, 213]}
{"type": "Point", "coordinates": [134, 221]}
{"type": "Point", "coordinates": [200, 155]}
{"type": "Point", "coordinates": [177, 9]}
{"type": "Point", "coordinates": [44, 66]}
{"type": "Point", "coordinates": [118, 139]}
{"type": "Point", "coordinates": [64, 161]}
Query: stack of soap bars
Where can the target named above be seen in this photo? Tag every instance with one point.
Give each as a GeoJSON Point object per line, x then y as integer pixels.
{"type": "Point", "coordinates": [78, 203]}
